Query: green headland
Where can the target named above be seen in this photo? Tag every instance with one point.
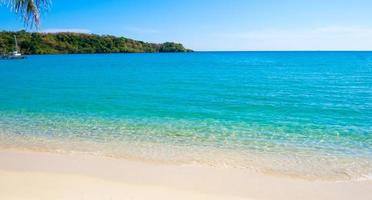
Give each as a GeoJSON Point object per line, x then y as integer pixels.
{"type": "Point", "coordinates": [75, 43]}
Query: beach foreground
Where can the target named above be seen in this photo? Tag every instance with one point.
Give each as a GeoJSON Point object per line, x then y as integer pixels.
{"type": "Point", "coordinates": [33, 175]}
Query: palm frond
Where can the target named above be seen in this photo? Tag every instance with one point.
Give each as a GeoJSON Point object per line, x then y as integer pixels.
{"type": "Point", "coordinates": [29, 10]}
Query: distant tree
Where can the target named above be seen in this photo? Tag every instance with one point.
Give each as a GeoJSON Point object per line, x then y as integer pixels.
{"type": "Point", "coordinates": [29, 10]}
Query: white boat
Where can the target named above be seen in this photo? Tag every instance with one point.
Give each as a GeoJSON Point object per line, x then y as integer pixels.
{"type": "Point", "coordinates": [15, 54]}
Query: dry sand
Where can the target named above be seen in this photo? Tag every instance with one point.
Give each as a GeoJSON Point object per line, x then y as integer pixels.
{"type": "Point", "coordinates": [48, 176]}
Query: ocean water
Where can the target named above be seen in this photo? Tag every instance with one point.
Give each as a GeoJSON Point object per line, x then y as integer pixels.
{"type": "Point", "coordinates": [306, 114]}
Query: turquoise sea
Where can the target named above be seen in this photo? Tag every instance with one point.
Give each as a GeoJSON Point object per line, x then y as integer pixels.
{"type": "Point", "coordinates": [306, 114]}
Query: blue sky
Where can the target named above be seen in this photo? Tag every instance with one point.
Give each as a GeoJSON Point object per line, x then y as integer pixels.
{"type": "Point", "coordinates": [217, 24]}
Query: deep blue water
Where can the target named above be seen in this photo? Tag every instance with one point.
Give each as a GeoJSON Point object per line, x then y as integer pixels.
{"type": "Point", "coordinates": [298, 113]}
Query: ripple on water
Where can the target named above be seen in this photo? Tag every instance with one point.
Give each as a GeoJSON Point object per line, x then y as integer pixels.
{"type": "Point", "coordinates": [305, 152]}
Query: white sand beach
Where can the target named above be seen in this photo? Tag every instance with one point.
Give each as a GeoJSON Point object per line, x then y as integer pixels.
{"type": "Point", "coordinates": [45, 176]}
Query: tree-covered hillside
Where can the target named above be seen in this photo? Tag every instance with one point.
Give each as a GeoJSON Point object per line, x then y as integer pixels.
{"type": "Point", "coordinates": [62, 43]}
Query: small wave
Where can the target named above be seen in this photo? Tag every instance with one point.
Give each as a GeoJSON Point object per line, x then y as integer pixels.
{"type": "Point", "coordinates": [367, 177]}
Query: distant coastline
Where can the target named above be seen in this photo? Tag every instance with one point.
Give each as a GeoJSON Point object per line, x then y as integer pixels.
{"type": "Point", "coordinates": [32, 43]}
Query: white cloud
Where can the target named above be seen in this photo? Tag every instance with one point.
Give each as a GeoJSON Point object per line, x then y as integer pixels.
{"type": "Point", "coordinates": [310, 33]}
{"type": "Point", "coordinates": [66, 30]}
{"type": "Point", "coordinates": [322, 38]}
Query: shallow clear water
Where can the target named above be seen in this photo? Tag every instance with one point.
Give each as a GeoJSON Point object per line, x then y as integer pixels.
{"type": "Point", "coordinates": [305, 114]}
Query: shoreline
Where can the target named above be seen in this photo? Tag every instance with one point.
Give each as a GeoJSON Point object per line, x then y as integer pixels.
{"type": "Point", "coordinates": [175, 155]}
{"type": "Point", "coordinates": [93, 177]}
